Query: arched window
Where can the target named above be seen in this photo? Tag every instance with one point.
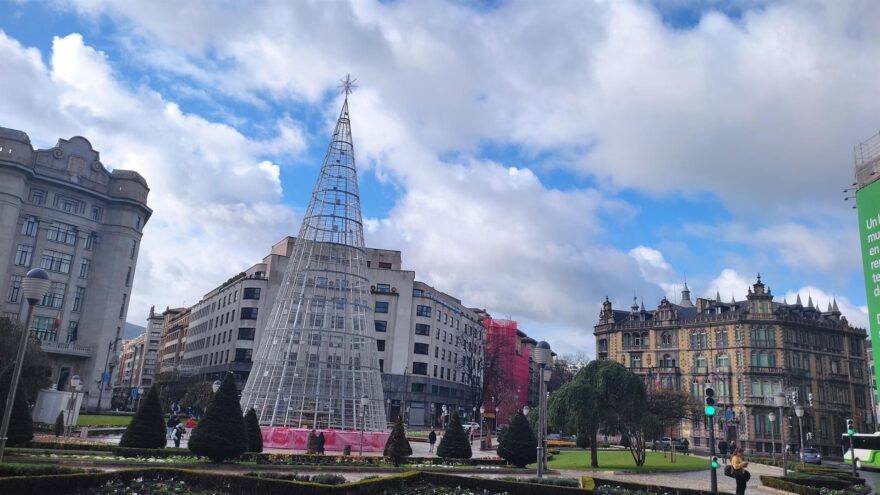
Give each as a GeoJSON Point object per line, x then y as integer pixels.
{"type": "Point", "coordinates": [636, 339]}
{"type": "Point", "coordinates": [627, 339]}
{"type": "Point", "coordinates": [667, 361]}
{"type": "Point", "coordinates": [645, 340]}
{"type": "Point", "coordinates": [666, 338]}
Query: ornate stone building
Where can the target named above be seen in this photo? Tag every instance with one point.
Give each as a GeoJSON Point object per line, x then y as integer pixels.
{"type": "Point", "coordinates": [748, 352]}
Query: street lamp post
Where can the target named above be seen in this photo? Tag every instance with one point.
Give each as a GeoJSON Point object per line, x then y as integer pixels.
{"type": "Point", "coordinates": [365, 401]}
{"type": "Point", "coordinates": [772, 418]}
{"type": "Point", "coordinates": [542, 355]}
{"type": "Point", "coordinates": [140, 394]}
{"type": "Point", "coordinates": [799, 411]}
{"type": "Point", "coordinates": [432, 415]}
{"type": "Point", "coordinates": [779, 401]}
{"type": "Point", "coordinates": [34, 286]}
{"type": "Point", "coordinates": [388, 409]}
{"type": "Point", "coordinates": [443, 418]}
{"type": "Point", "coordinates": [482, 411]}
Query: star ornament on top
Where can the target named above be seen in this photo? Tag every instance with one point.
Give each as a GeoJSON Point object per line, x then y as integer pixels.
{"type": "Point", "coordinates": [348, 84]}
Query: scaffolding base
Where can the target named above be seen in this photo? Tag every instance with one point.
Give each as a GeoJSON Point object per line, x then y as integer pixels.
{"type": "Point", "coordinates": [334, 440]}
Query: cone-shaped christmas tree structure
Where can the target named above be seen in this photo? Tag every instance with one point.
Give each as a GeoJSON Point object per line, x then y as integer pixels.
{"type": "Point", "coordinates": [318, 357]}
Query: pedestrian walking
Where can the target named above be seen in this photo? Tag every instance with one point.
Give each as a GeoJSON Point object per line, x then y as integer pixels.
{"type": "Point", "coordinates": [190, 425]}
{"type": "Point", "coordinates": [687, 446]}
{"type": "Point", "coordinates": [737, 470]}
{"type": "Point", "coordinates": [172, 422]}
{"type": "Point", "coordinates": [321, 443]}
{"type": "Point", "coordinates": [177, 434]}
{"type": "Point", "coordinates": [722, 451]}
{"type": "Point", "coordinates": [432, 439]}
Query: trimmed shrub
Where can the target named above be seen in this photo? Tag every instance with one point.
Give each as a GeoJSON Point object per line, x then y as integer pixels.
{"type": "Point", "coordinates": [18, 469]}
{"type": "Point", "coordinates": [147, 427]}
{"type": "Point", "coordinates": [600, 485]}
{"type": "Point", "coordinates": [570, 482]}
{"type": "Point", "coordinates": [455, 442]}
{"type": "Point", "coordinates": [221, 434]}
{"type": "Point", "coordinates": [58, 428]}
{"type": "Point", "coordinates": [21, 426]}
{"type": "Point", "coordinates": [254, 434]}
{"type": "Point", "coordinates": [397, 447]}
{"type": "Point", "coordinates": [518, 445]}
{"type": "Point", "coordinates": [788, 486]}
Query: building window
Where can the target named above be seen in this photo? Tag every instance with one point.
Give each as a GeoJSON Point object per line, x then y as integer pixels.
{"type": "Point", "coordinates": [435, 371]}
{"type": "Point", "coordinates": [30, 226]}
{"type": "Point", "coordinates": [128, 277]}
{"type": "Point", "coordinates": [251, 293]}
{"type": "Point", "coordinates": [422, 329]}
{"type": "Point", "coordinates": [38, 196]}
{"type": "Point", "coordinates": [381, 307]}
{"type": "Point", "coordinates": [67, 205]}
{"type": "Point", "coordinates": [55, 261]}
{"type": "Point", "coordinates": [700, 362]}
{"type": "Point", "coordinates": [122, 306]}
{"type": "Point", "coordinates": [242, 355]}
{"type": "Point", "coordinates": [635, 360]}
{"type": "Point", "coordinates": [55, 297]}
{"type": "Point", "coordinates": [134, 245]}
{"type": "Point", "coordinates": [419, 348]}
{"type": "Point", "coordinates": [666, 338]}
{"type": "Point", "coordinates": [23, 255]}
{"type": "Point", "coordinates": [14, 289]}
{"type": "Point", "coordinates": [381, 326]}
{"type": "Point", "coordinates": [722, 361]}
{"type": "Point", "coordinates": [380, 345]}
{"type": "Point", "coordinates": [384, 288]}
{"type": "Point", "coordinates": [418, 293]}
{"type": "Point", "coordinates": [417, 387]}
{"type": "Point", "coordinates": [667, 361]}
{"type": "Point", "coordinates": [97, 213]}
{"type": "Point", "coordinates": [90, 241]}
{"type": "Point", "coordinates": [78, 296]}
{"type": "Point", "coordinates": [762, 337]}
{"type": "Point", "coordinates": [420, 368]}
{"type": "Point", "coordinates": [246, 333]}
{"type": "Point", "coordinates": [764, 359]}
{"type": "Point", "coordinates": [424, 311]}
{"type": "Point", "coordinates": [248, 313]}
{"type": "Point", "coordinates": [84, 268]}
{"type": "Point", "coordinates": [384, 265]}
{"type": "Point", "coordinates": [137, 223]}
{"type": "Point", "coordinates": [43, 328]}
{"type": "Point", "coordinates": [62, 232]}
{"type": "Point", "coordinates": [72, 331]}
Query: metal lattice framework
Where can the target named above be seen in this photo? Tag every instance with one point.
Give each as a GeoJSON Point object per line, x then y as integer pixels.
{"type": "Point", "coordinates": [317, 357]}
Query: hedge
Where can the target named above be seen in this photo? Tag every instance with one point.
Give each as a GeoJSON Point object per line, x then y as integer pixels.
{"type": "Point", "coordinates": [244, 485]}
{"type": "Point", "coordinates": [18, 469]}
{"type": "Point", "coordinates": [788, 486]}
{"type": "Point", "coordinates": [333, 460]}
{"type": "Point", "coordinates": [588, 481]}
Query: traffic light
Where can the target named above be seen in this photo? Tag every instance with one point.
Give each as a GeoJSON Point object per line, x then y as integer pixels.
{"type": "Point", "coordinates": [714, 463]}
{"type": "Point", "coordinates": [850, 427]}
{"type": "Point", "coordinates": [710, 402]}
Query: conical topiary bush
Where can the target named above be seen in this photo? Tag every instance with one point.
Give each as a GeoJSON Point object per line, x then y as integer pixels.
{"type": "Point", "coordinates": [518, 445]}
{"type": "Point", "coordinates": [21, 426]}
{"type": "Point", "coordinates": [147, 427]}
{"type": "Point", "coordinates": [454, 444]}
{"type": "Point", "coordinates": [254, 434]}
{"type": "Point", "coordinates": [58, 429]}
{"type": "Point", "coordinates": [397, 447]}
{"type": "Point", "coordinates": [221, 434]}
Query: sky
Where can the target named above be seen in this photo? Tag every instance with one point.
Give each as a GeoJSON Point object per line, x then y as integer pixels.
{"type": "Point", "coordinates": [530, 158]}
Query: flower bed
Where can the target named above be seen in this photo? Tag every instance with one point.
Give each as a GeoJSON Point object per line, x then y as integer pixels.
{"type": "Point", "coordinates": [613, 487]}
{"type": "Point", "coordinates": [343, 460]}
{"type": "Point", "coordinates": [198, 483]}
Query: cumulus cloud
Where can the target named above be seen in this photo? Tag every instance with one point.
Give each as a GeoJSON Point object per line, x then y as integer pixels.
{"type": "Point", "coordinates": [214, 197]}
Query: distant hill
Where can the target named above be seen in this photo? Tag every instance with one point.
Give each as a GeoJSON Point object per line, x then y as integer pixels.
{"type": "Point", "coordinates": [131, 330]}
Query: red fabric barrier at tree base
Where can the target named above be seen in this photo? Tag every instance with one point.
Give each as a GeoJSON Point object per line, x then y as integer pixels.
{"type": "Point", "coordinates": [334, 440]}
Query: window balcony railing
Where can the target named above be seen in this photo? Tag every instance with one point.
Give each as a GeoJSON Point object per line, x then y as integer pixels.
{"type": "Point", "coordinates": [637, 346]}
{"type": "Point", "coordinates": [766, 369]}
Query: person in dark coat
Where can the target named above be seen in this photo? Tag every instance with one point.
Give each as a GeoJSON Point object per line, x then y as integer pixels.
{"type": "Point", "coordinates": [722, 451]}
{"type": "Point", "coordinates": [432, 439]}
{"type": "Point", "coordinates": [321, 443]}
{"type": "Point", "coordinates": [177, 434]}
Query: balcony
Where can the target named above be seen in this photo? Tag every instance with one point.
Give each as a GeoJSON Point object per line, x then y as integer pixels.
{"type": "Point", "coordinates": [767, 370]}
{"type": "Point", "coordinates": [67, 349]}
{"type": "Point", "coordinates": [759, 401]}
{"type": "Point", "coordinates": [644, 346]}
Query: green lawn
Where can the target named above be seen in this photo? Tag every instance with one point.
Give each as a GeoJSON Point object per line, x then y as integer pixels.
{"type": "Point", "coordinates": [617, 460]}
{"type": "Point", "coordinates": [102, 420]}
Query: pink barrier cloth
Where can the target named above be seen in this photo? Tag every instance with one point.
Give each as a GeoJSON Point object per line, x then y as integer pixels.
{"type": "Point", "coordinates": [334, 440]}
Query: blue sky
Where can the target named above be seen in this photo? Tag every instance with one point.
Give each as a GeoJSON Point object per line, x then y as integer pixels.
{"type": "Point", "coordinates": [528, 161]}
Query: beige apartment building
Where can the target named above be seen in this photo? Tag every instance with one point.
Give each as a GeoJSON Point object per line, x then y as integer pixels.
{"type": "Point", "coordinates": [748, 351]}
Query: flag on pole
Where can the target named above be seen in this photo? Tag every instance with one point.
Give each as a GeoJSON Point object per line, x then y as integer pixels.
{"type": "Point", "coordinates": [58, 321]}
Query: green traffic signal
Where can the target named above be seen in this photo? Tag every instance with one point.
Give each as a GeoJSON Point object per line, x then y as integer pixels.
{"type": "Point", "coordinates": [714, 463]}
{"type": "Point", "coordinates": [710, 410]}
{"type": "Point", "coordinates": [850, 432]}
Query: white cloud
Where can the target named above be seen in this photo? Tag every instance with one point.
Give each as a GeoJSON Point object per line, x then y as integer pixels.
{"type": "Point", "coordinates": [655, 269]}
{"type": "Point", "coordinates": [214, 197]}
{"type": "Point", "coordinates": [728, 284]}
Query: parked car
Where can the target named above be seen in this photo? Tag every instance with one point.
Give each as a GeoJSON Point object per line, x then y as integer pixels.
{"type": "Point", "coordinates": [811, 456]}
{"type": "Point", "coordinates": [666, 443]}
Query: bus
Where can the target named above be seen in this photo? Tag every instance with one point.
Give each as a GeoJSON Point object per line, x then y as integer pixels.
{"type": "Point", "coordinates": [866, 447]}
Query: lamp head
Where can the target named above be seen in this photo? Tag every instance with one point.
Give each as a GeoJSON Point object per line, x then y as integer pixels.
{"type": "Point", "coordinates": [482, 410]}
{"type": "Point", "coordinates": [75, 381]}
{"type": "Point", "coordinates": [543, 354]}
{"type": "Point", "coordinates": [216, 386]}
{"type": "Point", "coordinates": [365, 401]}
{"type": "Point", "coordinates": [35, 285]}
{"type": "Point", "coordinates": [771, 417]}
{"type": "Point", "coordinates": [526, 410]}
{"type": "Point", "coordinates": [799, 410]}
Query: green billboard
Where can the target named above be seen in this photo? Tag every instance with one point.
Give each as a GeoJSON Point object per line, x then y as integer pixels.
{"type": "Point", "coordinates": [868, 203]}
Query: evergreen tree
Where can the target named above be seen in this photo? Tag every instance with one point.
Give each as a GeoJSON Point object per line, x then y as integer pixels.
{"type": "Point", "coordinates": [397, 447]}
{"type": "Point", "coordinates": [21, 426]}
{"type": "Point", "coordinates": [58, 429]}
{"type": "Point", "coordinates": [147, 427]}
{"type": "Point", "coordinates": [518, 445]}
{"type": "Point", "coordinates": [221, 434]}
{"type": "Point", "coordinates": [254, 434]}
{"type": "Point", "coordinates": [455, 444]}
